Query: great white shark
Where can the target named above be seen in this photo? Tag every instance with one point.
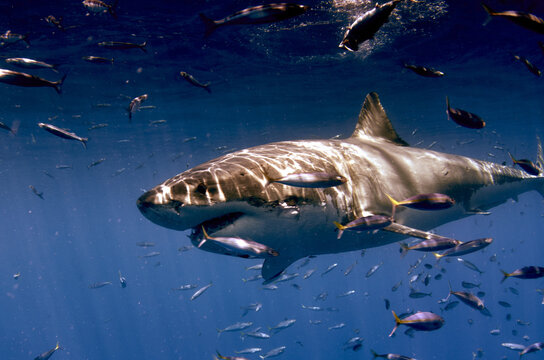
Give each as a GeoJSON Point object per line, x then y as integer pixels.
{"type": "Point", "coordinates": [232, 196]}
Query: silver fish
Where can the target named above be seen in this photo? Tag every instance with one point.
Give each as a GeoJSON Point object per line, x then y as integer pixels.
{"type": "Point", "coordinates": [30, 63]}
{"type": "Point", "coordinates": [282, 325]}
{"type": "Point", "coordinates": [46, 355]}
{"type": "Point", "coordinates": [98, 59]}
{"type": "Point", "coordinates": [329, 269]}
{"type": "Point", "coordinates": [98, 285]}
{"type": "Point", "coordinates": [120, 45]}
{"type": "Point", "coordinates": [26, 80]}
{"type": "Point", "coordinates": [191, 80]}
{"type": "Point", "coordinates": [96, 162]}
{"type": "Point", "coordinates": [63, 133]}
{"type": "Point", "coordinates": [98, 6]}
{"type": "Point", "coordinates": [135, 104]}
{"type": "Point", "coordinates": [200, 291]}
{"type": "Point", "coordinates": [11, 38]}
{"type": "Point", "coordinates": [274, 352]}
{"type": "Point", "coordinates": [236, 327]}
{"type": "Point", "coordinates": [373, 270]}
{"type": "Point", "coordinates": [249, 351]}
{"type": "Point", "coordinates": [239, 247]}
{"type": "Point", "coordinates": [260, 14]}
{"type": "Point", "coordinates": [185, 287]}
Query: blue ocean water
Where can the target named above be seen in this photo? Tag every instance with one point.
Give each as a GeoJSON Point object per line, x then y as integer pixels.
{"type": "Point", "coordinates": [282, 81]}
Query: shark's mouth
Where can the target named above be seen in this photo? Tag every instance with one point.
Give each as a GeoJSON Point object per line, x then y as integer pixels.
{"type": "Point", "coordinates": [214, 225]}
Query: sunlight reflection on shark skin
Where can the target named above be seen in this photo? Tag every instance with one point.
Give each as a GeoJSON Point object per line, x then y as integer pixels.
{"type": "Point", "coordinates": [232, 196]}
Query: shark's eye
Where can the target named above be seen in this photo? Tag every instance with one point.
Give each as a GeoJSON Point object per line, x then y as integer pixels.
{"type": "Point", "coordinates": [201, 188]}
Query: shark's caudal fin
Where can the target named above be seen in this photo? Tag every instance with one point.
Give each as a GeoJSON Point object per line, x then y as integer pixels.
{"type": "Point", "coordinates": [373, 121]}
{"type": "Point", "coordinates": [274, 267]}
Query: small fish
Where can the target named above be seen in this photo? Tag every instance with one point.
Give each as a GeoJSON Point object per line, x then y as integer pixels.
{"type": "Point", "coordinates": [236, 327]}
{"type": "Point", "coordinates": [11, 38]}
{"type": "Point", "coordinates": [257, 335]}
{"type": "Point", "coordinates": [526, 165]}
{"type": "Point", "coordinates": [470, 265]}
{"type": "Point", "coordinates": [315, 180]}
{"type": "Point", "coordinates": [451, 305]}
{"type": "Point", "coordinates": [63, 167]}
{"type": "Point", "coordinates": [240, 247]}
{"type": "Point", "coordinates": [347, 293]}
{"type": "Point", "coordinates": [99, 285]}
{"type": "Point", "coordinates": [364, 223]}
{"type": "Point", "coordinates": [513, 290]}
{"type": "Point", "coordinates": [185, 287]}
{"type": "Point", "coordinates": [282, 325]}
{"type": "Point", "coordinates": [229, 357]}
{"type": "Point", "coordinates": [504, 304]}
{"type": "Point", "coordinates": [261, 14]}
{"type": "Point", "coordinates": [436, 243]}
{"type": "Point", "coordinates": [421, 320]}
{"type": "Point", "coordinates": [308, 274]}
{"type": "Point", "coordinates": [46, 355]}
{"type": "Point", "coordinates": [532, 348]}
{"type": "Point", "coordinates": [464, 118]}
{"type": "Point", "coordinates": [118, 172]}
{"type": "Point", "coordinates": [329, 269]}
{"type": "Point", "coordinates": [96, 162]}
{"type": "Point", "coordinates": [355, 343]}
{"type": "Point", "coordinates": [151, 254]}
{"type": "Point", "coordinates": [145, 244]}
{"type": "Point", "coordinates": [191, 80]}
{"type": "Point", "coordinates": [523, 323]}
{"type": "Point", "coordinates": [418, 295]}
{"type": "Point", "coordinates": [523, 19]}
{"type": "Point", "coordinates": [53, 21]}
{"type": "Point", "coordinates": [512, 346]}
{"type": "Point", "coordinates": [97, 126]}
{"type": "Point", "coordinates": [135, 104]}
{"type": "Point", "coordinates": [313, 308]}
{"type": "Point", "coordinates": [350, 269]}
{"type": "Point", "coordinates": [470, 299]}
{"type": "Point", "coordinates": [337, 326]}
{"type": "Point", "coordinates": [98, 6]}
{"type": "Point", "coordinates": [466, 247]}
{"type": "Point", "coordinates": [469, 285]}
{"type": "Point", "coordinates": [251, 307]}
{"type": "Point", "coordinates": [122, 280]}
{"type": "Point", "coordinates": [274, 352]}
{"type": "Point", "coordinates": [63, 133]}
{"type": "Point", "coordinates": [533, 69]}
{"type": "Point", "coordinates": [270, 287]}
{"type": "Point", "coordinates": [30, 63]}
{"type": "Point", "coordinates": [36, 192]}
{"type": "Point", "coordinates": [26, 80]}
{"type": "Point", "coordinates": [432, 201]}
{"type": "Point", "coordinates": [526, 272]}
{"type": "Point", "coordinates": [390, 356]}
{"type": "Point", "coordinates": [387, 304]}
{"type": "Point", "coordinates": [253, 278]}
{"type": "Point", "coordinates": [98, 60]}
{"type": "Point", "coordinates": [119, 45]}
{"type": "Point", "coordinates": [200, 291]}
{"type": "Point", "coordinates": [423, 71]}
{"type": "Point", "coordinates": [322, 297]}
{"type": "Point", "coordinates": [16, 276]}
{"type": "Point", "coordinates": [373, 270]}
{"type": "Point", "coordinates": [249, 351]}
{"type": "Point", "coordinates": [396, 286]}
{"type": "Point", "coordinates": [366, 25]}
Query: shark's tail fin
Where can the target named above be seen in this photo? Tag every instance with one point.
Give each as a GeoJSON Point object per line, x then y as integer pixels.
{"type": "Point", "coordinates": [209, 23]}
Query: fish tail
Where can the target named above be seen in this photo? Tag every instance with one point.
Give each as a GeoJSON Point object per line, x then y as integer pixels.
{"type": "Point", "coordinates": [340, 227]}
{"type": "Point", "coordinates": [206, 236]}
{"type": "Point", "coordinates": [207, 88]}
{"type": "Point", "coordinates": [209, 23]}
{"type": "Point", "coordinates": [505, 275]}
{"type": "Point", "coordinates": [437, 256]}
{"type": "Point", "coordinates": [490, 13]}
{"type": "Point", "coordinates": [540, 158]}
{"type": "Point", "coordinates": [395, 203]}
{"type": "Point", "coordinates": [404, 248]}
{"type": "Point", "coordinates": [374, 354]}
{"type": "Point", "coordinates": [513, 160]}
{"type": "Point", "coordinates": [397, 323]}
{"type": "Point", "coordinates": [58, 84]}
{"type": "Point", "coordinates": [84, 142]}
{"type": "Point", "coordinates": [447, 102]}
{"type": "Point", "coordinates": [201, 243]}
{"type": "Point", "coordinates": [220, 356]}
{"type": "Point", "coordinates": [142, 46]}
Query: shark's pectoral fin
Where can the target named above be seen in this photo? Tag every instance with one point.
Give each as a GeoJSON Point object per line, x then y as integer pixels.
{"type": "Point", "coordinates": [406, 230]}
{"type": "Point", "coordinates": [275, 266]}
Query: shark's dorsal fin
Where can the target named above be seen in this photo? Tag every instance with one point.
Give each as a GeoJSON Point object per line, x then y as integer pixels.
{"type": "Point", "coordinates": [373, 121]}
